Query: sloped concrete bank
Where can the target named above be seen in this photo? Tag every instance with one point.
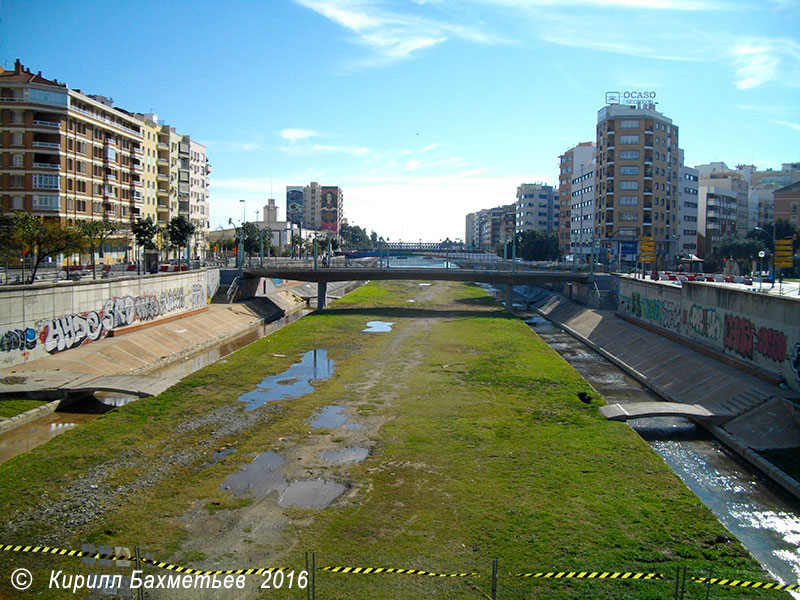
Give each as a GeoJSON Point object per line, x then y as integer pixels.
{"type": "Point", "coordinates": [652, 360]}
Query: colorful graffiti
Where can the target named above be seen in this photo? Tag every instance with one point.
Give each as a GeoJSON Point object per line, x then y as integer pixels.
{"type": "Point", "coordinates": [744, 338]}
{"type": "Point", "coordinates": [704, 322]}
{"type": "Point", "coordinates": [70, 331]}
{"type": "Point", "coordinates": [796, 361]}
{"type": "Point", "coordinates": [18, 339]}
{"type": "Point", "coordinates": [664, 313]}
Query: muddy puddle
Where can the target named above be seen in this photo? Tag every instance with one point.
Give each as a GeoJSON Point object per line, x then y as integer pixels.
{"type": "Point", "coordinates": [294, 382]}
{"type": "Point", "coordinates": [347, 455]}
{"type": "Point", "coordinates": [332, 416]}
{"type": "Point", "coordinates": [378, 327]}
{"type": "Point", "coordinates": [265, 475]}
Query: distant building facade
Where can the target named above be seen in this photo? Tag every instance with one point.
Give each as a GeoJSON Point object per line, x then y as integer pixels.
{"type": "Point", "coordinates": [536, 208]}
{"type": "Point", "coordinates": [573, 164]}
{"type": "Point", "coordinates": [636, 192]}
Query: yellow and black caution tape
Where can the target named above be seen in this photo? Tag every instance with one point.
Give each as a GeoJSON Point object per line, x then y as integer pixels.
{"type": "Point", "coordinates": [375, 570]}
{"type": "Point", "coordinates": [590, 575]}
{"type": "Point", "coordinates": [155, 563]}
{"type": "Point", "coordinates": [764, 585]}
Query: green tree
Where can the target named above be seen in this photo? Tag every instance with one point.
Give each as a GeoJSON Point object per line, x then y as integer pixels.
{"type": "Point", "coordinates": [42, 238]}
{"type": "Point", "coordinates": [532, 245]}
{"type": "Point", "coordinates": [145, 230]}
{"type": "Point", "coordinates": [742, 250]}
{"type": "Point", "coordinates": [180, 231]}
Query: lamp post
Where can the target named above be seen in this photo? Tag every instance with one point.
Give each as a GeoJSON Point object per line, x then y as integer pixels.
{"type": "Point", "coordinates": [774, 228]}
{"type": "Point", "coordinates": [761, 255]}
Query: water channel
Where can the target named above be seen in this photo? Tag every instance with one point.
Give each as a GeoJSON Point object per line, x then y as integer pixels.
{"type": "Point", "coordinates": [33, 434]}
{"type": "Point", "coordinates": [764, 518]}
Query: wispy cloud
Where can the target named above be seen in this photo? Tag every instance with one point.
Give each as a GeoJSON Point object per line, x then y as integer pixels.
{"type": "Point", "coordinates": [615, 46]}
{"type": "Point", "coordinates": [392, 36]}
{"type": "Point", "coordinates": [789, 124]}
{"type": "Point", "coordinates": [351, 150]}
{"type": "Point", "coordinates": [293, 134]}
{"type": "Point", "coordinates": [231, 146]}
{"type": "Point", "coordinates": [761, 61]}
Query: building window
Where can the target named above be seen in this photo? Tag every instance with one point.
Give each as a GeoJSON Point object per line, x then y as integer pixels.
{"type": "Point", "coordinates": [628, 216]}
{"type": "Point", "coordinates": [629, 124]}
{"type": "Point", "coordinates": [629, 170]}
{"type": "Point", "coordinates": [16, 160]}
{"type": "Point", "coordinates": [628, 139]}
{"type": "Point", "coordinates": [17, 117]}
{"type": "Point", "coordinates": [49, 202]}
{"type": "Point", "coordinates": [629, 155]}
{"type": "Point", "coordinates": [42, 181]}
{"type": "Point", "coordinates": [16, 138]}
{"type": "Point", "coordinates": [629, 185]}
{"type": "Point", "coordinates": [17, 181]}
{"type": "Point", "coordinates": [16, 202]}
{"type": "Point", "coordinates": [628, 200]}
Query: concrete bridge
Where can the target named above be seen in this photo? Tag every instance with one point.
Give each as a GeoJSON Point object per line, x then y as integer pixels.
{"type": "Point", "coordinates": [323, 275]}
{"type": "Point", "coordinates": [640, 410]}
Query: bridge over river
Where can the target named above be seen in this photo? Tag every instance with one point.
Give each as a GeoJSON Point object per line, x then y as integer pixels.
{"type": "Point", "coordinates": [323, 275]}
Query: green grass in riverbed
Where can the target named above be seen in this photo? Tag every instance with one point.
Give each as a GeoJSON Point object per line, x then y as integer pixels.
{"type": "Point", "coordinates": [486, 452]}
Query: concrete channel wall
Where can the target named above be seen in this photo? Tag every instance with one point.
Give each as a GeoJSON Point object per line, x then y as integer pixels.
{"type": "Point", "coordinates": [44, 319]}
{"type": "Point", "coordinates": [758, 331]}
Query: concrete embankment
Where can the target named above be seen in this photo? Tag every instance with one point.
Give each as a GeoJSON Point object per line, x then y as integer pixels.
{"type": "Point", "coordinates": [761, 417]}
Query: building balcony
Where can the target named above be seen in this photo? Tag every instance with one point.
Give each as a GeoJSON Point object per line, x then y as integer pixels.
{"type": "Point", "coordinates": [43, 123]}
{"type": "Point", "coordinates": [53, 145]}
{"type": "Point", "coordinates": [162, 177]}
{"type": "Point", "coordinates": [137, 166]}
{"type": "Point", "coordinates": [43, 165]}
{"type": "Point", "coordinates": [648, 191]}
{"type": "Point", "coordinates": [162, 192]}
{"type": "Point", "coordinates": [138, 183]}
{"type": "Point", "coordinates": [138, 199]}
{"type": "Point", "coordinates": [138, 150]}
{"type": "Point", "coordinates": [163, 147]}
{"type": "Point", "coordinates": [647, 206]}
{"type": "Point", "coordinates": [162, 162]}
{"type": "Point", "coordinates": [649, 129]}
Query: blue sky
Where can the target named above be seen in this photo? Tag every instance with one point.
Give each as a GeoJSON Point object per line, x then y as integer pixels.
{"type": "Point", "coordinates": [421, 110]}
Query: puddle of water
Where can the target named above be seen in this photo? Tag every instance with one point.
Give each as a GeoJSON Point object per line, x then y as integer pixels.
{"type": "Point", "coordinates": [330, 417]}
{"type": "Point", "coordinates": [347, 455]}
{"type": "Point", "coordinates": [218, 456]}
{"type": "Point", "coordinates": [424, 284]}
{"type": "Point", "coordinates": [258, 478]}
{"type": "Point", "coordinates": [378, 327]}
{"type": "Point", "coordinates": [294, 382]}
{"type": "Point", "coordinates": [410, 300]}
{"type": "Point", "coordinates": [316, 493]}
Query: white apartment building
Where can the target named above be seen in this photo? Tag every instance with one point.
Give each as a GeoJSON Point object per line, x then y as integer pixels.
{"type": "Point", "coordinates": [687, 208]}
{"type": "Point", "coordinates": [581, 210]}
{"type": "Point", "coordinates": [536, 208]}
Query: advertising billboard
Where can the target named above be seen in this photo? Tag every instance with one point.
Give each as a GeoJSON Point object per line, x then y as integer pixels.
{"type": "Point", "coordinates": [294, 203]}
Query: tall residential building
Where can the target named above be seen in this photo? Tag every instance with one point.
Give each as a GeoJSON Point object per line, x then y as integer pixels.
{"type": "Point", "coordinates": [321, 207]}
{"type": "Point", "coordinates": [149, 169]}
{"type": "Point", "coordinates": [637, 181]}
{"type": "Point", "coordinates": [573, 163]}
{"type": "Point", "coordinates": [718, 175]}
{"type": "Point", "coordinates": [199, 215]}
{"type": "Point", "coordinates": [294, 203]}
{"type": "Point", "coordinates": [688, 179]}
{"type": "Point", "coordinates": [763, 185]}
{"type": "Point", "coordinates": [786, 201]}
{"type": "Point", "coordinates": [67, 155]}
{"type": "Point", "coordinates": [717, 213]}
{"type": "Point", "coordinates": [536, 208]}
{"type": "Point", "coordinates": [491, 227]}
{"type": "Point", "coordinates": [469, 231]}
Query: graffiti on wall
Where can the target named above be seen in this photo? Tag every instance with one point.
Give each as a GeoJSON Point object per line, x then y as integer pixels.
{"type": "Point", "coordinates": [18, 339]}
{"type": "Point", "coordinates": [796, 361]}
{"type": "Point", "coordinates": [745, 339]}
{"type": "Point", "coordinates": [70, 331]}
{"type": "Point", "coordinates": [664, 313]}
{"type": "Point", "coordinates": [704, 322]}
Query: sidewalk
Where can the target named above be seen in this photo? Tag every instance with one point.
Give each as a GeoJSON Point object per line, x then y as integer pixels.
{"type": "Point", "coordinates": [761, 420]}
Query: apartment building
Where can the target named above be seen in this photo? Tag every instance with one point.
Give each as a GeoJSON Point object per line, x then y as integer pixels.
{"type": "Point", "coordinates": [688, 183]}
{"type": "Point", "coordinates": [67, 155]}
{"type": "Point", "coordinates": [491, 227]}
{"type": "Point", "coordinates": [75, 157]}
{"type": "Point", "coordinates": [469, 233]}
{"type": "Point", "coordinates": [315, 207]}
{"type": "Point", "coordinates": [573, 163]}
{"type": "Point", "coordinates": [787, 200]}
{"type": "Point", "coordinates": [717, 214]}
{"type": "Point", "coordinates": [717, 174]}
{"type": "Point", "coordinates": [764, 184]}
{"type": "Point", "coordinates": [536, 208]}
{"type": "Point", "coordinates": [637, 180]}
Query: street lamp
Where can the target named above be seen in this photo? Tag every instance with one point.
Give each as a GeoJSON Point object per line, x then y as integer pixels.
{"type": "Point", "coordinates": [773, 249]}
{"type": "Point", "coordinates": [761, 255]}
